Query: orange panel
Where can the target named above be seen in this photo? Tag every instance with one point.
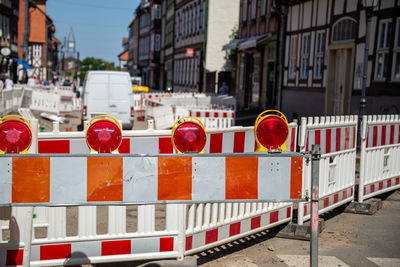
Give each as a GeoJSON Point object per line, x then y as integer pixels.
{"type": "Point", "coordinates": [296, 171]}
{"type": "Point", "coordinates": [104, 179]}
{"type": "Point", "coordinates": [31, 180]}
{"type": "Point", "coordinates": [174, 178]}
{"type": "Point", "coordinates": [241, 178]}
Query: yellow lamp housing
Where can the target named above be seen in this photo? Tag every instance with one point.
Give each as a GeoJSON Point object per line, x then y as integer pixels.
{"type": "Point", "coordinates": [15, 135]}
{"type": "Point", "coordinates": [271, 131]}
{"type": "Point", "coordinates": [103, 134]}
{"type": "Point", "coordinates": [189, 135]}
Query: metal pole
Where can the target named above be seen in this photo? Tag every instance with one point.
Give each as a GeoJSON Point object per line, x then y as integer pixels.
{"type": "Point", "coordinates": [315, 157]}
{"type": "Point", "coordinates": [363, 99]}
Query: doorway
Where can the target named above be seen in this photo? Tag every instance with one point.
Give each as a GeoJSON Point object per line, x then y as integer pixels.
{"type": "Point", "coordinates": [339, 86]}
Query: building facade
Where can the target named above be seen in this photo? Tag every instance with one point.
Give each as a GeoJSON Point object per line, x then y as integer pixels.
{"type": "Point", "coordinates": [324, 58]}
{"type": "Point", "coordinates": [149, 16]}
{"type": "Point", "coordinates": [8, 37]}
{"type": "Point", "coordinates": [256, 47]}
{"type": "Point", "coordinates": [123, 57]}
{"type": "Point", "coordinates": [133, 43]}
{"type": "Point", "coordinates": [167, 44]}
{"type": "Point", "coordinates": [200, 32]}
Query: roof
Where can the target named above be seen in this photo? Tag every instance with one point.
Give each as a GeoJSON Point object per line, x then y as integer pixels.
{"type": "Point", "coordinates": [124, 55]}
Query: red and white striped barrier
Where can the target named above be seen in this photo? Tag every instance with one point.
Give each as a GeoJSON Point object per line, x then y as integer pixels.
{"type": "Point", "coordinates": [337, 139]}
{"type": "Point", "coordinates": [380, 154]}
{"type": "Point", "coordinates": [249, 218]}
{"type": "Point", "coordinates": [231, 140]}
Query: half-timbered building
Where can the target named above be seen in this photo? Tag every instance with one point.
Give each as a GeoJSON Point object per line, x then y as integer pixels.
{"type": "Point", "coordinates": [324, 58]}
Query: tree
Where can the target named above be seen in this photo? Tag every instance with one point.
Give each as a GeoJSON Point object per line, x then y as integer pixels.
{"type": "Point", "coordinates": [231, 55]}
{"type": "Point", "coordinates": [91, 63]}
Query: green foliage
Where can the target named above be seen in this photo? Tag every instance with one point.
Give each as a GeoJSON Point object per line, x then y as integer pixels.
{"type": "Point", "coordinates": [231, 55]}
{"type": "Point", "coordinates": [91, 63]}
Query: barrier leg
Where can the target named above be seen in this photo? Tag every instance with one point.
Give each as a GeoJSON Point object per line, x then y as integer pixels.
{"type": "Point", "coordinates": [21, 230]}
{"type": "Point", "coordinates": [314, 205]}
{"type": "Point", "coordinates": [176, 220]}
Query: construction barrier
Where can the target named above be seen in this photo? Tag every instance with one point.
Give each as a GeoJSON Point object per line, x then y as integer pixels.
{"type": "Point", "coordinates": [337, 138]}
{"type": "Point", "coordinates": [380, 155]}
{"type": "Point", "coordinates": [180, 236]}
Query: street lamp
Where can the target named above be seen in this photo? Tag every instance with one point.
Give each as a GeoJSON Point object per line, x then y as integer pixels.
{"type": "Point", "coordinates": [369, 7]}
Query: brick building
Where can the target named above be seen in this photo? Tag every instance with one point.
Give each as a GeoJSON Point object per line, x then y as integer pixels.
{"type": "Point", "coordinates": [40, 49]}
{"type": "Point", "coordinates": [8, 37]}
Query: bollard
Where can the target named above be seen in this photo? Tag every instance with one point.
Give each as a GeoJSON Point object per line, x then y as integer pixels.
{"type": "Point", "coordinates": [315, 157]}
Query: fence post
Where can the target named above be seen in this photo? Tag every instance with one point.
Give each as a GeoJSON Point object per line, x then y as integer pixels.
{"type": "Point", "coordinates": [302, 144]}
{"type": "Point", "coordinates": [315, 156]}
{"type": "Point", "coordinates": [363, 146]}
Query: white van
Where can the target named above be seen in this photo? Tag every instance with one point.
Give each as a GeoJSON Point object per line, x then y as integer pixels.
{"type": "Point", "coordinates": [108, 93]}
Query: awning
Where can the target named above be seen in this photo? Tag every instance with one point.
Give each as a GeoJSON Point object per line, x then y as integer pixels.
{"type": "Point", "coordinates": [253, 41]}
{"type": "Point", "coordinates": [233, 45]}
{"type": "Point", "coordinates": [23, 63]}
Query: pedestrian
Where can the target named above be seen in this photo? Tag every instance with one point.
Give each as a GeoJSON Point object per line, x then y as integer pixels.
{"type": "Point", "coordinates": [1, 84]}
{"type": "Point", "coordinates": [9, 83]}
{"type": "Point", "coordinates": [224, 90]}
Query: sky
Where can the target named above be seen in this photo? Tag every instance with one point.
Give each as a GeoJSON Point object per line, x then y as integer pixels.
{"type": "Point", "coordinates": [98, 25]}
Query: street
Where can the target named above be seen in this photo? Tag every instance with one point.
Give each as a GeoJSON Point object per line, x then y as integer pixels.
{"type": "Point", "coordinates": [347, 240]}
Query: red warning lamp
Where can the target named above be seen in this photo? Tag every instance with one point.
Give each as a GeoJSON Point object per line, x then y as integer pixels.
{"type": "Point", "coordinates": [103, 134]}
{"type": "Point", "coordinates": [271, 130]}
{"type": "Point", "coordinates": [189, 135]}
{"type": "Point", "coordinates": [15, 134]}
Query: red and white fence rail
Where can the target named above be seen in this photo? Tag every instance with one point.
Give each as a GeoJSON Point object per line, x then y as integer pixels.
{"type": "Point", "coordinates": [380, 155]}
{"type": "Point", "coordinates": [337, 137]}
{"type": "Point", "coordinates": [231, 140]}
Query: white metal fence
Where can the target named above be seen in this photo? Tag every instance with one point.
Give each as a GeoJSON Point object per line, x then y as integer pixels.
{"type": "Point", "coordinates": [337, 138]}
{"type": "Point", "coordinates": [380, 155]}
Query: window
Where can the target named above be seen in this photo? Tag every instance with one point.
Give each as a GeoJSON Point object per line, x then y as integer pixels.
{"type": "Point", "coordinates": [382, 49]}
{"type": "Point", "coordinates": [319, 54]}
{"type": "Point", "coordinates": [157, 42]}
{"type": "Point", "coordinates": [253, 9]}
{"type": "Point", "coordinates": [156, 12]}
{"type": "Point", "coordinates": [344, 30]}
{"type": "Point", "coordinates": [263, 7]}
{"type": "Point", "coordinates": [396, 53]}
{"type": "Point", "coordinates": [198, 19]}
{"type": "Point", "coordinates": [177, 26]}
{"type": "Point", "coordinates": [194, 19]}
{"type": "Point", "coordinates": [244, 11]}
{"type": "Point", "coordinates": [293, 57]}
{"type": "Point", "coordinates": [1, 25]}
{"type": "Point", "coordinates": [305, 53]}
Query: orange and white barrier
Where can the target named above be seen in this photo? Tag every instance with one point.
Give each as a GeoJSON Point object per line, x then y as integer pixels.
{"type": "Point", "coordinates": [380, 155]}
{"type": "Point", "coordinates": [67, 180]}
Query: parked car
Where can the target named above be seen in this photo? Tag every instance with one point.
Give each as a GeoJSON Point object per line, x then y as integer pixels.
{"type": "Point", "coordinates": [108, 93]}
